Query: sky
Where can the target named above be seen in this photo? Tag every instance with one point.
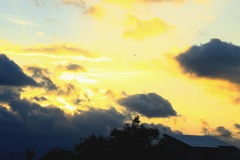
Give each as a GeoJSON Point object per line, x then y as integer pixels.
{"type": "Point", "coordinates": [70, 68]}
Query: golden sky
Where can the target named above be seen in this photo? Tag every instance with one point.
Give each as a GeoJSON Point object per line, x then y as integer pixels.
{"type": "Point", "coordinates": [92, 65]}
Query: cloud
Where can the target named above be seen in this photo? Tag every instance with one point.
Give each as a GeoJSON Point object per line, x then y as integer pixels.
{"type": "Point", "coordinates": [42, 98]}
{"type": "Point", "coordinates": [172, 1]}
{"type": "Point", "coordinates": [143, 1]}
{"type": "Point", "coordinates": [140, 29]}
{"type": "Point", "coordinates": [27, 123]}
{"type": "Point", "coordinates": [79, 3]}
{"type": "Point", "coordinates": [162, 129]}
{"type": "Point", "coordinates": [43, 80]}
{"type": "Point", "coordinates": [219, 131]}
{"type": "Point", "coordinates": [59, 50]}
{"type": "Point", "coordinates": [215, 59]}
{"type": "Point", "coordinates": [227, 136]}
{"type": "Point", "coordinates": [236, 125]}
{"type": "Point", "coordinates": [18, 21]}
{"type": "Point", "coordinates": [96, 11]}
{"type": "Point", "coordinates": [223, 131]}
{"type": "Point", "coordinates": [12, 75]}
{"type": "Point", "coordinates": [150, 105]}
{"type": "Point", "coordinates": [9, 93]}
{"type": "Point", "coordinates": [40, 34]}
{"type": "Point", "coordinates": [76, 67]}
{"type": "Point", "coordinates": [38, 2]}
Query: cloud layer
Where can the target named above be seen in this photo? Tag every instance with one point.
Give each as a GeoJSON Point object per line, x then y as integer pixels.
{"type": "Point", "coordinates": [24, 121]}
{"type": "Point", "coordinates": [140, 29]}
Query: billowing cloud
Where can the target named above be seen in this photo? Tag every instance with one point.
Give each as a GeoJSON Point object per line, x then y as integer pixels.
{"type": "Point", "coordinates": [12, 75]}
{"type": "Point", "coordinates": [140, 29]}
{"type": "Point", "coordinates": [150, 105]}
{"type": "Point", "coordinates": [215, 59]}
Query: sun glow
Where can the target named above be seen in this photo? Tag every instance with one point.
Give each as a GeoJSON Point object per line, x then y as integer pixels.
{"type": "Point", "coordinates": [78, 77]}
{"type": "Point", "coordinates": [65, 105]}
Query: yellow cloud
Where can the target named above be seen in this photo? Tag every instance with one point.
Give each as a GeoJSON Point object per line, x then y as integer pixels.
{"type": "Point", "coordinates": [124, 3]}
{"type": "Point", "coordinates": [171, 1]}
{"type": "Point", "coordinates": [140, 29]}
{"type": "Point", "coordinates": [80, 3]}
{"type": "Point", "coordinates": [58, 50]}
{"type": "Point", "coordinates": [96, 11]}
{"type": "Point", "coordinates": [127, 3]}
{"type": "Point", "coordinates": [7, 47]}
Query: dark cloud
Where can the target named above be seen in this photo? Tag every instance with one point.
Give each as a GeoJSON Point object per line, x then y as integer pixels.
{"type": "Point", "coordinates": [77, 101]}
{"type": "Point", "coordinates": [48, 84]}
{"type": "Point", "coordinates": [40, 75]}
{"type": "Point", "coordinates": [99, 121]}
{"type": "Point", "coordinates": [162, 129]}
{"type": "Point", "coordinates": [29, 124]}
{"type": "Point", "coordinates": [236, 125]}
{"type": "Point", "coordinates": [37, 71]}
{"type": "Point", "coordinates": [44, 128]}
{"type": "Point", "coordinates": [42, 98]}
{"type": "Point", "coordinates": [223, 131]}
{"type": "Point", "coordinates": [24, 123]}
{"type": "Point", "coordinates": [68, 89]}
{"type": "Point", "coordinates": [227, 136]}
{"type": "Point", "coordinates": [215, 59]}
{"type": "Point", "coordinates": [150, 105]}
{"type": "Point", "coordinates": [9, 93]}
{"type": "Point", "coordinates": [220, 130]}
{"type": "Point", "coordinates": [12, 75]}
{"type": "Point", "coordinates": [76, 67]}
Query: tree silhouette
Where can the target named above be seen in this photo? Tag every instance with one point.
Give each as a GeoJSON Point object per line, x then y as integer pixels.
{"type": "Point", "coordinates": [59, 154]}
{"type": "Point", "coordinates": [91, 147]}
{"type": "Point", "coordinates": [133, 141]}
{"type": "Point", "coordinates": [29, 153]}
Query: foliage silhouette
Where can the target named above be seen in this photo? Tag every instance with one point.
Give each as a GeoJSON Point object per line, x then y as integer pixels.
{"type": "Point", "coordinates": [133, 141]}
{"type": "Point", "coordinates": [29, 153]}
{"type": "Point", "coordinates": [59, 154]}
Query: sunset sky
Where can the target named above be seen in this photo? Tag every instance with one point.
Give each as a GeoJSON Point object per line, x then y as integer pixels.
{"type": "Point", "coordinates": [69, 68]}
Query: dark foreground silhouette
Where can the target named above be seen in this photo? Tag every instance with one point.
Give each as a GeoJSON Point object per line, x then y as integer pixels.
{"type": "Point", "coordinates": [133, 141]}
